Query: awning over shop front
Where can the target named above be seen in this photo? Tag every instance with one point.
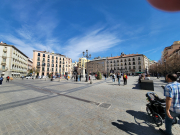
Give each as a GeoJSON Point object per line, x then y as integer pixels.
{"type": "Point", "coordinates": [139, 72]}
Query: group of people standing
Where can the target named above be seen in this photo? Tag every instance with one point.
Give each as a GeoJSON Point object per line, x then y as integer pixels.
{"type": "Point", "coordinates": [118, 76]}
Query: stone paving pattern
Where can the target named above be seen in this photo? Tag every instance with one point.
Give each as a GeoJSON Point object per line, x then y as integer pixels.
{"type": "Point", "coordinates": [39, 107]}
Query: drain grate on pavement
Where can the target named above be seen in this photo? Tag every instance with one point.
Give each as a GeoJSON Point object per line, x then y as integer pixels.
{"type": "Point", "coordinates": [104, 105]}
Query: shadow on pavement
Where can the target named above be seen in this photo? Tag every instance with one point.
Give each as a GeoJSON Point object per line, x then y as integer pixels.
{"type": "Point", "coordinates": [24, 102]}
{"type": "Point", "coordinates": [144, 128]}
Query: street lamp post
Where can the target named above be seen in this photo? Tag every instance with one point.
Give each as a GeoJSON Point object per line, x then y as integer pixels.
{"type": "Point", "coordinates": [87, 56]}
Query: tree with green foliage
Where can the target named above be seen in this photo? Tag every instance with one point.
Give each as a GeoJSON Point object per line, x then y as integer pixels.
{"type": "Point", "coordinates": [99, 76]}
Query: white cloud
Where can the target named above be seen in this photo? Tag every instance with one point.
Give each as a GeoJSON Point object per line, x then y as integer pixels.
{"type": "Point", "coordinates": [98, 40]}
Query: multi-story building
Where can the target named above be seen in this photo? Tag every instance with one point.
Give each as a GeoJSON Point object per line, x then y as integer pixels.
{"type": "Point", "coordinates": [170, 49]}
{"type": "Point", "coordinates": [131, 64]}
{"type": "Point", "coordinates": [13, 61]}
{"type": "Point", "coordinates": [45, 63]}
{"type": "Point", "coordinates": [97, 64]}
{"type": "Point", "coordinates": [30, 64]}
{"type": "Point", "coordinates": [82, 62]}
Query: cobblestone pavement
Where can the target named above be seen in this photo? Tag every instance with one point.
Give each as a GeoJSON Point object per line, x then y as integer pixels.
{"type": "Point", "coordinates": [39, 107]}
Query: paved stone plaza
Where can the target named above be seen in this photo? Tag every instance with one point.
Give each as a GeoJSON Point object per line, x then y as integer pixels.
{"type": "Point", "coordinates": [39, 107]}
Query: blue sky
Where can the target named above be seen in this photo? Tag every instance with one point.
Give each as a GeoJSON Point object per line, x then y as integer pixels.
{"type": "Point", "coordinates": [104, 27]}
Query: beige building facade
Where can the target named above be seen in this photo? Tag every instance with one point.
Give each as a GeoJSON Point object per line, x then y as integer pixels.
{"type": "Point", "coordinates": [97, 64]}
{"type": "Point", "coordinates": [30, 64]}
{"type": "Point", "coordinates": [45, 63]}
{"type": "Point", "coordinates": [13, 61]}
{"type": "Point", "coordinates": [170, 49]}
{"type": "Point", "coordinates": [131, 64]}
{"type": "Point", "coordinates": [82, 62]}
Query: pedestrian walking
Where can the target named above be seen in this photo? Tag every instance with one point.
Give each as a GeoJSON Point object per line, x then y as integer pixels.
{"type": "Point", "coordinates": [113, 77]}
{"type": "Point", "coordinates": [1, 79]}
{"type": "Point", "coordinates": [125, 79]}
{"type": "Point", "coordinates": [7, 79]}
{"type": "Point", "coordinates": [119, 78]}
{"type": "Point", "coordinates": [80, 77]}
{"type": "Point", "coordinates": [171, 92]}
{"type": "Point", "coordinates": [76, 77]}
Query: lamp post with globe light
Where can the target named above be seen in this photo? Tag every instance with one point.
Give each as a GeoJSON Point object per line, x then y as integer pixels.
{"type": "Point", "coordinates": [87, 56]}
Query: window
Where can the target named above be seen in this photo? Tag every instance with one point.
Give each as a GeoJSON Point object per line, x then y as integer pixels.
{"type": "Point", "coordinates": [3, 66]}
{"type": "Point", "coordinates": [60, 62]}
{"type": "Point", "coordinates": [139, 58]}
{"type": "Point", "coordinates": [129, 63]}
{"type": "Point", "coordinates": [60, 66]}
{"type": "Point", "coordinates": [56, 69]}
{"type": "Point", "coordinates": [48, 56]}
{"type": "Point", "coordinates": [125, 60]}
{"type": "Point", "coordinates": [38, 54]}
{"type": "Point", "coordinates": [56, 60]}
{"type": "Point", "coordinates": [38, 63]}
{"type": "Point", "coordinates": [139, 67]}
{"type": "Point", "coordinates": [134, 67]}
{"type": "Point", "coordinates": [48, 64]}
{"type": "Point", "coordinates": [56, 65]}
{"type": "Point", "coordinates": [43, 55]}
{"type": "Point", "coordinates": [52, 69]}
{"type": "Point", "coordinates": [42, 68]}
{"type": "Point", "coordinates": [129, 67]}
{"type": "Point", "coordinates": [52, 65]}
{"type": "Point", "coordinates": [43, 59]}
{"type": "Point", "coordinates": [129, 59]}
{"type": "Point", "coordinates": [38, 59]}
{"type": "Point", "coordinates": [52, 61]}
{"type": "Point", "coordinates": [133, 59]}
{"type": "Point", "coordinates": [52, 57]}
{"type": "Point", "coordinates": [133, 63]}
{"type": "Point", "coordinates": [47, 69]}
{"type": "Point", "coordinates": [60, 58]}
{"type": "Point", "coordinates": [4, 60]}
{"type": "Point", "coordinates": [44, 64]}
{"type": "Point", "coordinates": [121, 61]}
{"type": "Point", "coordinates": [48, 60]}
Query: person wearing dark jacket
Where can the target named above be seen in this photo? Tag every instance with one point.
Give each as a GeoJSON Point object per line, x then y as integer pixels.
{"type": "Point", "coordinates": [1, 79]}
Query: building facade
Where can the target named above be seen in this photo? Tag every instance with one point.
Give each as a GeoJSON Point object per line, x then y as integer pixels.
{"type": "Point", "coordinates": [45, 63]}
{"type": "Point", "coordinates": [130, 64]}
{"type": "Point", "coordinates": [30, 64]}
{"type": "Point", "coordinates": [170, 49]}
{"type": "Point", "coordinates": [13, 61]}
{"type": "Point", "coordinates": [82, 63]}
{"type": "Point", "coordinates": [97, 64]}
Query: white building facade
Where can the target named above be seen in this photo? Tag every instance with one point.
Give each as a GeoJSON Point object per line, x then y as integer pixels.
{"type": "Point", "coordinates": [13, 61]}
{"type": "Point", "coordinates": [131, 64]}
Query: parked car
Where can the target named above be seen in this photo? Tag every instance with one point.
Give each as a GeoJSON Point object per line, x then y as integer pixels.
{"type": "Point", "coordinates": [28, 77]}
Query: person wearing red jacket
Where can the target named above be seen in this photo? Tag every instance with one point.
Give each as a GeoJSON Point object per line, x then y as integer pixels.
{"type": "Point", "coordinates": [125, 79]}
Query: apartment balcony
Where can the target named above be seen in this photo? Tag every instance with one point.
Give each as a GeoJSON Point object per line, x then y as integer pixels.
{"type": "Point", "coordinates": [4, 56]}
{"type": "Point", "coordinates": [3, 63]}
{"type": "Point", "coordinates": [5, 50]}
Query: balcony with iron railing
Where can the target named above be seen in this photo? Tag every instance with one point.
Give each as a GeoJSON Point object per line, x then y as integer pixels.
{"type": "Point", "coordinates": [4, 56]}
{"type": "Point", "coordinates": [5, 50]}
{"type": "Point", "coordinates": [3, 63]}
